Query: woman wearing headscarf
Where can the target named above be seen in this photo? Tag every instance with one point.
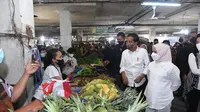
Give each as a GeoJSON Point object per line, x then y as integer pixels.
{"type": "Point", "coordinates": [194, 64]}
{"type": "Point", "coordinates": [163, 79]}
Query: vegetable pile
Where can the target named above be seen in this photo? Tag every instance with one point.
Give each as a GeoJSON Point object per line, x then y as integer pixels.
{"type": "Point", "coordinates": [97, 87]}
{"type": "Point", "coordinates": [91, 59]}
{"type": "Point", "coordinates": [99, 103]}
{"type": "Point", "coordinates": [82, 81]}
{"type": "Point", "coordinates": [97, 96]}
{"type": "Point", "coordinates": [86, 72]}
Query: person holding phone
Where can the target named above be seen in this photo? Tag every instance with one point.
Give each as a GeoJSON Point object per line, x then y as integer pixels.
{"type": "Point", "coordinates": [10, 94]}
{"type": "Point", "coordinates": [134, 64]}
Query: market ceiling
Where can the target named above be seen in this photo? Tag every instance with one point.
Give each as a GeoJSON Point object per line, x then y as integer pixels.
{"type": "Point", "coordinates": [90, 13]}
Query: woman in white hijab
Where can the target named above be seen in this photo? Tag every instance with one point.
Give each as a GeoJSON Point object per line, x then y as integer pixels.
{"type": "Point", "coordinates": [163, 79]}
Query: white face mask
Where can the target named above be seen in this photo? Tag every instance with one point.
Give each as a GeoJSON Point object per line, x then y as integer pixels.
{"type": "Point", "coordinates": [198, 46]}
{"type": "Point", "coordinates": [43, 55]}
{"type": "Point", "coordinates": [71, 55]}
{"type": "Point", "coordinates": [155, 56]}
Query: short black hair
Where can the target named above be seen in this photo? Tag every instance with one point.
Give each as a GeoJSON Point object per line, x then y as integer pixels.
{"type": "Point", "coordinates": [193, 31]}
{"type": "Point", "coordinates": [135, 37]}
{"type": "Point", "coordinates": [70, 50]}
{"type": "Point", "coordinates": [155, 39]}
{"type": "Point", "coordinates": [122, 34]}
{"type": "Point", "coordinates": [166, 42]}
{"type": "Point", "coordinates": [198, 35]}
{"type": "Point", "coordinates": [51, 54]}
{"type": "Point", "coordinates": [181, 39]}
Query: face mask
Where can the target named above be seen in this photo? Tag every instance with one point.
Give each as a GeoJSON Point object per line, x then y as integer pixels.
{"type": "Point", "coordinates": [120, 42]}
{"type": "Point", "coordinates": [60, 62]}
{"type": "Point", "coordinates": [155, 56]}
{"type": "Point", "coordinates": [71, 55]}
{"type": "Point", "coordinates": [198, 46]}
{"type": "Point", "coordinates": [43, 55]}
{"type": "Point", "coordinates": [1, 55]}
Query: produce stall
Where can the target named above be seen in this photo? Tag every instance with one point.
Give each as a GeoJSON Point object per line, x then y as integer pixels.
{"type": "Point", "coordinates": [95, 92]}
{"type": "Point", "coordinates": [97, 96]}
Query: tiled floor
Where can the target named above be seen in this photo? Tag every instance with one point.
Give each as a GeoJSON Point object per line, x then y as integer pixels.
{"type": "Point", "coordinates": [179, 106]}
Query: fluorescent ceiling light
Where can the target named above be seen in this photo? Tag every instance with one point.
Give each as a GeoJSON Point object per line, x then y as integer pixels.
{"type": "Point", "coordinates": [124, 27]}
{"type": "Point", "coordinates": [184, 32]}
{"type": "Point", "coordinates": [42, 38]}
{"type": "Point", "coordinates": [161, 4]}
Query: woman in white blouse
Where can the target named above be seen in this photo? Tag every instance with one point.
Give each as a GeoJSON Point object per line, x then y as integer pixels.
{"type": "Point", "coordinates": [163, 79]}
{"type": "Point", "coordinates": [194, 63]}
{"type": "Point", "coordinates": [52, 70]}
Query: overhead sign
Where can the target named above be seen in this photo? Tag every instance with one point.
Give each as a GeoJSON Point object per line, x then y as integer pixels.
{"type": "Point", "coordinates": [102, 29]}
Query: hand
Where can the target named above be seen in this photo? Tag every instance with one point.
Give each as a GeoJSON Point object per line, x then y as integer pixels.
{"type": "Point", "coordinates": [106, 62]}
{"type": "Point", "coordinates": [31, 68]}
{"type": "Point", "coordinates": [139, 78]}
{"type": "Point", "coordinates": [35, 106]}
{"type": "Point", "coordinates": [68, 62]}
{"type": "Point", "coordinates": [124, 78]}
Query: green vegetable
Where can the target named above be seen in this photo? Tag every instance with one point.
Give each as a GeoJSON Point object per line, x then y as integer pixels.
{"type": "Point", "coordinates": [138, 105]}
{"type": "Point", "coordinates": [91, 59]}
{"type": "Point", "coordinates": [86, 72]}
{"type": "Point", "coordinates": [125, 99]}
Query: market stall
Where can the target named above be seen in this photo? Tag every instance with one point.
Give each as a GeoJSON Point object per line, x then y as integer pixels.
{"type": "Point", "coordinates": [94, 91]}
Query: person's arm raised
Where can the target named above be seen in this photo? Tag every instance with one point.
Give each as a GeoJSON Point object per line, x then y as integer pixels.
{"type": "Point", "coordinates": [21, 84]}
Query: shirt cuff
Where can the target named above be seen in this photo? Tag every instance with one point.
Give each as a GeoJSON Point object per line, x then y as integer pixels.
{"type": "Point", "coordinates": [145, 72]}
{"type": "Point", "coordinates": [122, 70]}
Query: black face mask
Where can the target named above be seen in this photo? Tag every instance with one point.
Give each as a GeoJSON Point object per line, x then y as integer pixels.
{"type": "Point", "coordinates": [60, 62]}
{"type": "Point", "coordinates": [120, 42]}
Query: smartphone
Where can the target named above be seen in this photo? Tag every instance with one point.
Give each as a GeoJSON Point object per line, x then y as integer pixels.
{"type": "Point", "coordinates": [33, 58]}
{"type": "Point", "coordinates": [137, 81]}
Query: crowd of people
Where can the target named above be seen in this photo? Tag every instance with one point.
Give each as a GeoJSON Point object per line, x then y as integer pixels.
{"type": "Point", "coordinates": [155, 69]}
{"type": "Point", "coordinates": [157, 72]}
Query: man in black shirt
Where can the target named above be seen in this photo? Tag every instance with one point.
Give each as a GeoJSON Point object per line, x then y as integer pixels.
{"type": "Point", "coordinates": [116, 59]}
{"type": "Point", "coordinates": [193, 37]}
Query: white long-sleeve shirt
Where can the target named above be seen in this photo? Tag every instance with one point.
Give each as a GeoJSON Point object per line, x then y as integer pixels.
{"type": "Point", "coordinates": [67, 69]}
{"type": "Point", "coordinates": [163, 79]}
{"type": "Point", "coordinates": [193, 66]}
{"type": "Point", "coordinates": [134, 64]}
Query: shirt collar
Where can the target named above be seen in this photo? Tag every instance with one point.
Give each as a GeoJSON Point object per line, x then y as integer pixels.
{"type": "Point", "coordinates": [137, 50]}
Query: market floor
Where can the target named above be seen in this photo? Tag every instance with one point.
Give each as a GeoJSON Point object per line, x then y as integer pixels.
{"type": "Point", "coordinates": [179, 106]}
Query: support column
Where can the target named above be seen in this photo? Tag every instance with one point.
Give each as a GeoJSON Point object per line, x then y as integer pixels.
{"type": "Point", "coordinates": [65, 29]}
{"type": "Point", "coordinates": [152, 34]}
{"type": "Point", "coordinates": [22, 11]}
{"type": "Point", "coordinates": [199, 24]}
{"type": "Point", "coordinates": [16, 16]}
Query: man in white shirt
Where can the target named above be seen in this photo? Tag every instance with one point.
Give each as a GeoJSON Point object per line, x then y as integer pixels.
{"type": "Point", "coordinates": [134, 64]}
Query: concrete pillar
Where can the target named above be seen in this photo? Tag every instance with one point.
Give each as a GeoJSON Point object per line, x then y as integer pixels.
{"type": "Point", "coordinates": [152, 34]}
{"type": "Point", "coordinates": [12, 68]}
{"type": "Point", "coordinates": [23, 18]}
{"type": "Point", "coordinates": [199, 24]}
{"type": "Point", "coordinates": [65, 29]}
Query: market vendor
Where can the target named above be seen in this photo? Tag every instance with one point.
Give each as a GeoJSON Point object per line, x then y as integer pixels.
{"type": "Point", "coordinates": [10, 94]}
